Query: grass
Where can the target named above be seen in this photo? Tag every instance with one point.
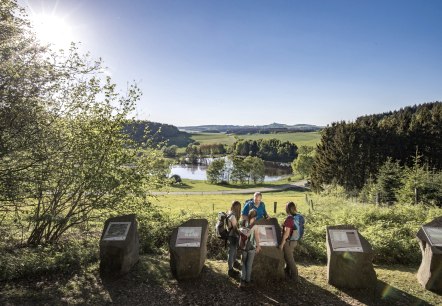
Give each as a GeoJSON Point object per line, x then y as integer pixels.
{"type": "Point", "coordinates": [300, 139]}
{"type": "Point", "coordinates": [198, 185]}
{"type": "Point", "coordinates": [203, 204]}
{"type": "Point", "coordinates": [211, 138]}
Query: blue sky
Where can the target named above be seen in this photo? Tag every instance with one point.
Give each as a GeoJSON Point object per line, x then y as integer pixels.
{"type": "Point", "coordinates": [258, 62]}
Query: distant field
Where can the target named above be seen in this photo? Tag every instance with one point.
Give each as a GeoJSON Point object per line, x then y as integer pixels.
{"type": "Point", "coordinates": [209, 138]}
{"type": "Point", "coordinates": [214, 203]}
{"type": "Point", "coordinates": [300, 139]}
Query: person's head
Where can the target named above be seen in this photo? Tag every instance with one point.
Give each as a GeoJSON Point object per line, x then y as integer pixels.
{"type": "Point", "coordinates": [257, 197]}
{"type": "Point", "coordinates": [236, 209]}
{"type": "Point", "coordinates": [252, 215]}
{"type": "Point", "coordinates": [290, 208]}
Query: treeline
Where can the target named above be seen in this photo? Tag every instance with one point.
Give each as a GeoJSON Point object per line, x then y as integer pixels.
{"type": "Point", "coordinates": [266, 149]}
{"type": "Point", "coordinates": [351, 154]}
{"type": "Point", "coordinates": [142, 131]}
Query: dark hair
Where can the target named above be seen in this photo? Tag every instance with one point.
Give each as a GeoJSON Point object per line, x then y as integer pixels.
{"type": "Point", "coordinates": [252, 214]}
{"type": "Point", "coordinates": [236, 209]}
{"type": "Point", "coordinates": [290, 208]}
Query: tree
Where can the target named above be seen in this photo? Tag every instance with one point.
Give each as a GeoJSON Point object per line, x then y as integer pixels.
{"type": "Point", "coordinates": [63, 153]}
{"type": "Point", "coordinates": [303, 165]}
{"type": "Point", "coordinates": [216, 171]}
{"type": "Point", "coordinates": [240, 171]}
{"type": "Point", "coordinates": [170, 151]}
{"type": "Point", "coordinates": [388, 181]}
{"type": "Point", "coordinates": [256, 169]}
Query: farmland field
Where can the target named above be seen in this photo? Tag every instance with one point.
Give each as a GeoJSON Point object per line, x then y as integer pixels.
{"type": "Point", "coordinates": [300, 139]}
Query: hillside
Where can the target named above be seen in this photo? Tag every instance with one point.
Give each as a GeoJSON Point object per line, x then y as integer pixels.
{"type": "Point", "coordinates": [140, 130]}
{"type": "Point", "coordinates": [245, 129]}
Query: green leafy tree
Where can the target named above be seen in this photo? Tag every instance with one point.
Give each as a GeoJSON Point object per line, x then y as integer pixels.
{"type": "Point", "coordinates": [303, 165]}
{"type": "Point", "coordinates": [64, 155]}
{"type": "Point", "coordinates": [240, 171]}
{"type": "Point", "coordinates": [216, 171]}
{"type": "Point", "coordinates": [256, 168]}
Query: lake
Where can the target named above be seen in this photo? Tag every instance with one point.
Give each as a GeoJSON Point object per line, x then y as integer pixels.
{"type": "Point", "coordinates": [273, 171]}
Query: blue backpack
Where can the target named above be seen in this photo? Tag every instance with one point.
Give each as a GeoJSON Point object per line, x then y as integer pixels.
{"type": "Point", "coordinates": [299, 222]}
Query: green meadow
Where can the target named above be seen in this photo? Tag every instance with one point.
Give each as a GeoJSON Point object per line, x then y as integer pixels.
{"type": "Point", "coordinates": [300, 139]}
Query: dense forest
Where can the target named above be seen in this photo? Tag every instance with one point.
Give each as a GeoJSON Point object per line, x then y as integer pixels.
{"type": "Point", "coordinates": [266, 149]}
{"type": "Point", "coordinates": [352, 154]}
{"type": "Point", "coordinates": [142, 131]}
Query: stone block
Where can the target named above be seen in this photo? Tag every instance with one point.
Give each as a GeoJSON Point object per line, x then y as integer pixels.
{"type": "Point", "coordinates": [269, 263]}
{"type": "Point", "coordinates": [188, 249]}
{"type": "Point", "coordinates": [429, 274]}
{"type": "Point", "coordinates": [119, 246]}
{"type": "Point", "coordinates": [349, 258]}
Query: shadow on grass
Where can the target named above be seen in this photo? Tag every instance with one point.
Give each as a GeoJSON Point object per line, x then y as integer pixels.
{"type": "Point", "coordinates": [385, 294]}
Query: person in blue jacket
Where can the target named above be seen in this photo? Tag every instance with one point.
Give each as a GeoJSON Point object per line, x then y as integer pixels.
{"type": "Point", "coordinates": [257, 204]}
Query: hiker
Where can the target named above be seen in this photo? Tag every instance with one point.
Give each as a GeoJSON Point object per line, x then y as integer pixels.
{"type": "Point", "coordinates": [257, 204]}
{"type": "Point", "coordinates": [233, 238]}
{"type": "Point", "coordinates": [249, 244]}
{"type": "Point", "coordinates": [292, 231]}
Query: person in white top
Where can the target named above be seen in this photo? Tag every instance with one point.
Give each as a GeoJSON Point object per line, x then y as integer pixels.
{"type": "Point", "coordinates": [232, 223]}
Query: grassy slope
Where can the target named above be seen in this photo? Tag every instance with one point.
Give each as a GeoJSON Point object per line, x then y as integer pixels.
{"type": "Point", "coordinates": [309, 139]}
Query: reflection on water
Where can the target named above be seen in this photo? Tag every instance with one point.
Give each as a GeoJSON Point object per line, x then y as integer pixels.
{"type": "Point", "coordinates": [198, 172]}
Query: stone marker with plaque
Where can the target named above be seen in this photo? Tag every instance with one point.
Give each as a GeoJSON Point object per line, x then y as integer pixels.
{"type": "Point", "coordinates": [349, 258]}
{"type": "Point", "coordinates": [269, 263]}
{"type": "Point", "coordinates": [429, 274]}
{"type": "Point", "coordinates": [188, 249]}
{"type": "Point", "coordinates": [119, 246]}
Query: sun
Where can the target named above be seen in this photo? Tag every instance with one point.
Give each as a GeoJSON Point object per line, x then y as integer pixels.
{"type": "Point", "coordinates": [52, 29]}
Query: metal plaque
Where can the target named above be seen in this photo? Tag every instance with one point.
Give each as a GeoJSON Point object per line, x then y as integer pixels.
{"type": "Point", "coordinates": [188, 237]}
{"type": "Point", "coordinates": [267, 235]}
{"type": "Point", "coordinates": [345, 240]}
{"type": "Point", "coordinates": [434, 235]}
{"type": "Point", "coordinates": [117, 231]}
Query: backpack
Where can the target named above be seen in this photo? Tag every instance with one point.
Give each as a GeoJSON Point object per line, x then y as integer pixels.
{"type": "Point", "coordinates": [298, 231]}
{"type": "Point", "coordinates": [221, 230]}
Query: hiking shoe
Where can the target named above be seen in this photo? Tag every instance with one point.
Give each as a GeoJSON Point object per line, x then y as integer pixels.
{"type": "Point", "coordinates": [237, 265]}
{"type": "Point", "coordinates": [232, 273]}
{"type": "Point", "coordinates": [242, 284]}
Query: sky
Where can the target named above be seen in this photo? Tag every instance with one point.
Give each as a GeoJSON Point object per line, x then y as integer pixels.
{"type": "Point", "coordinates": [257, 62]}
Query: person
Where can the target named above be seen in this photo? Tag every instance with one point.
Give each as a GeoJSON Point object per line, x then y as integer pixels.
{"type": "Point", "coordinates": [249, 248]}
{"type": "Point", "coordinates": [256, 204]}
{"type": "Point", "coordinates": [288, 242]}
{"type": "Point", "coordinates": [233, 238]}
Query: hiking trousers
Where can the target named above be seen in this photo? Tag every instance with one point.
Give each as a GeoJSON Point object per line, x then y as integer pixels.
{"type": "Point", "coordinates": [247, 263]}
{"type": "Point", "coordinates": [289, 249]}
{"type": "Point", "coordinates": [233, 247]}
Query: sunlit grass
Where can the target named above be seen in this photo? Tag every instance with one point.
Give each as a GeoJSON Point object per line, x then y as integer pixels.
{"type": "Point", "coordinates": [221, 202]}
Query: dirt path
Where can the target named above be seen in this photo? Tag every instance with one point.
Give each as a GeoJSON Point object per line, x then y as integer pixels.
{"type": "Point", "coordinates": [151, 283]}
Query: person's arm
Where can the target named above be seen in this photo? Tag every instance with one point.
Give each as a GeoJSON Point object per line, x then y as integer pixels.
{"type": "Point", "coordinates": [258, 246]}
{"type": "Point", "coordinates": [266, 215]}
{"type": "Point", "coordinates": [285, 236]}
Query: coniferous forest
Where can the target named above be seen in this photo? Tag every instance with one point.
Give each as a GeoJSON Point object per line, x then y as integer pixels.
{"type": "Point", "coordinates": [355, 154]}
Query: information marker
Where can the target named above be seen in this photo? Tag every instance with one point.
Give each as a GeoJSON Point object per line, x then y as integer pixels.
{"type": "Point", "coordinates": [188, 237]}
{"type": "Point", "coordinates": [345, 240]}
{"type": "Point", "coordinates": [434, 235]}
{"type": "Point", "coordinates": [116, 231]}
{"type": "Point", "coordinates": [267, 235]}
